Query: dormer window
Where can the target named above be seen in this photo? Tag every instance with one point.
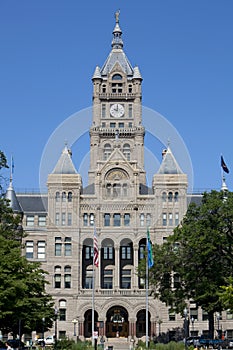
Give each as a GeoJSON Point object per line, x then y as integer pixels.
{"type": "Point", "coordinates": [116, 77]}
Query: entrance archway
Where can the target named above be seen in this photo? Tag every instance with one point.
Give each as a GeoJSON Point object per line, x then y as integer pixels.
{"type": "Point", "coordinates": [88, 323]}
{"type": "Point", "coordinates": [141, 324]}
{"type": "Point", "coordinates": [117, 324]}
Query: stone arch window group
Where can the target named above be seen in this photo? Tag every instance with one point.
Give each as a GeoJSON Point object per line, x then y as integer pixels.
{"type": "Point", "coordinates": [110, 257]}
{"type": "Point", "coordinates": [170, 196]}
{"type": "Point", "coordinates": [117, 189]}
{"type": "Point", "coordinates": [63, 196]}
{"type": "Point", "coordinates": [108, 150]}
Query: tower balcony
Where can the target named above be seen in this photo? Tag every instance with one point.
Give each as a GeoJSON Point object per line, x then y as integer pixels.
{"type": "Point", "coordinates": [120, 132]}
{"type": "Point", "coordinates": [117, 96]}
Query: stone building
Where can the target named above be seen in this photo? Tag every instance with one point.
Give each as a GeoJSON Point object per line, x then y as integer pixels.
{"type": "Point", "coordinates": [118, 204]}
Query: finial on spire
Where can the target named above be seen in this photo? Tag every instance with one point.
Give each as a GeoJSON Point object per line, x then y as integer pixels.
{"type": "Point", "coordinates": [117, 14]}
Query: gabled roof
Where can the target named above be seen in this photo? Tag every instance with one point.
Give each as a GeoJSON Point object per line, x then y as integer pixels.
{"type": "Point", "coordinates": [13, 201]}
{"type": "Point", "coordinates": [65, 164]}
{"type": "Point", "coordinates": [169, 164]}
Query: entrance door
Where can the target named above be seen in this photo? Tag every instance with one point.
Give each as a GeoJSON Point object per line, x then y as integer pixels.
{"type": "Point", "coordinates": [117, 324]}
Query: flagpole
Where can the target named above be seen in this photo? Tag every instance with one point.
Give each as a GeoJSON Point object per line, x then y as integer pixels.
{"type": "Point", "coordinates": [147, 301]}
{"type": "Point", "coordinates": [93, 295]}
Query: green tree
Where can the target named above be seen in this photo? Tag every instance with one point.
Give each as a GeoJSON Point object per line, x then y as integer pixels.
{"type": "Point", "coordinates": [199, 254]}
{"type": "Point", "coordinates": [23, 299]}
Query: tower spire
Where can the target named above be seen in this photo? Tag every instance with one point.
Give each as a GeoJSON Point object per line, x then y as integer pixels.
{"type": "Point", "coordinates": [117, 42]}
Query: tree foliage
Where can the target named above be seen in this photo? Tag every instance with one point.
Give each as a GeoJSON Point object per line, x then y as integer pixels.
{"type": "Point", "coordinates": [23, 299]}
{"type": "Point", "coordinates": [196, 260]}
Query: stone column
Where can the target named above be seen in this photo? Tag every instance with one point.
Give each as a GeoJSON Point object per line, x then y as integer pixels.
{"type": "Point", "coordinates": [117, 270]}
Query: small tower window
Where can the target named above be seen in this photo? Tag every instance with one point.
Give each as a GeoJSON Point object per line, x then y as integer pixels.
{"type": "Point", "coordinates": [107, 151]}
{"type": "Point", "coordinates": [164, 197]}
{"type": "Point", "coordinates": [176, 196]}
{"type": "Point", "coordinates": [130, 110]}
{"type": "Point", "coordinates": [103, 110]}
{"type": "Point", "coordinates": [130, 89]}
{"type": "Point", "coordinates": [126, 151]}
{"type": "Point", "coordinates": [104, 88]}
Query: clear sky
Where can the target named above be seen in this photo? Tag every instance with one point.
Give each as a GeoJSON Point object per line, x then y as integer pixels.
{"type": "Point", "coordinates": [49, 50]}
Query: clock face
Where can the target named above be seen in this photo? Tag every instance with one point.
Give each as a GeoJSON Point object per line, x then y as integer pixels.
{"type": "Point", "coordinates": [117, 110]}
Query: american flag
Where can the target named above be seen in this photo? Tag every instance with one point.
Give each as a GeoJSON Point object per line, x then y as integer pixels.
{"type": "Point", "coordinates": [96, 252]}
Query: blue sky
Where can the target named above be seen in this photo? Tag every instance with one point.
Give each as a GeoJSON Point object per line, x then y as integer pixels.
{"type": "Point", "coordinates": [184, 48]}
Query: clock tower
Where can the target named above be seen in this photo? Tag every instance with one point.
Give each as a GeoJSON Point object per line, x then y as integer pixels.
{"type": "Point", "coordinates": [117, 111]}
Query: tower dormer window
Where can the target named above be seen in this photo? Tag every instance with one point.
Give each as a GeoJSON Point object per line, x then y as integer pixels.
{"type": "Point", "coordinates": [116, 77]}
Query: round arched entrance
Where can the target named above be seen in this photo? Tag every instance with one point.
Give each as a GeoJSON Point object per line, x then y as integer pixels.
{"type": "Point", "coordinates": [88, 323]}
{"type": "Point", "coordinates": [117, 324]}
{"type": "Point", "coordinates": [141, 324]}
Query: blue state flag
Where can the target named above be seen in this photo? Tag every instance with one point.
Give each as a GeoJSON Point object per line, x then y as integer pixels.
{"type": "Point", "coordinates": [150, 260]}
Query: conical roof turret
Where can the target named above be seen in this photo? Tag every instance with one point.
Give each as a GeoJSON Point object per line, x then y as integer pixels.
{"type": "Point", "coordinates": [65, 164]}
{"type": "Point", "coordinates": [169, 164]}
{"type": "Point", "coordinates": [13, 201]}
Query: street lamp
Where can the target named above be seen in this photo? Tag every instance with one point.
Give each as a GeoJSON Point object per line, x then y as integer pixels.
{"type": "Point", "coordinates": [192, 320]}
{"type": "Point", "coordinates": [186, 327]}
{"type": "Point", "coordinates": [55, 326]}
{"type": "Point", "coordinates": [218, 319]}
{"type": "Point", "coordinates": [43, 320]}
{"type": "Point", "coordinates": [74, 323]}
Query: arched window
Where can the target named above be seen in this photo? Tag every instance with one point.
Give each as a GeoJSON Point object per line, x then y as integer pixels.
{"type": "Point", "coordinates": [116, 190]}
{"type": "Point", "coordinates": [62, 310]}
{"type": "Point", "coordinates": [170, 196]}
{"type": "Point", "coordinates": [130, 88]}
{"type": "Point", "coordinates": [69, 196]}
{"type": "Point", "coordinates": [125, 190]}
{"type": "Point", "coordinates": [108, 189]}
{"type": "Point", "coordinates": [57, 277]}
{"type": "Point", "coordinates": [67, 277]}
{"type": "Point", "coordinates": [126, 151]}
{"type": "Point", "coordinates": [63, 196]}
{"type": "Point", "coordinates": [57, 196]}
{"type": "Point", "coordinates": [107, 151]}
{"type": "Point", "coordinates": [142, 218]}
{"type": "Point", "coordinates": [103, 88]}
{"type": "Point", "coordinates": [176, 197]}
{"type": "Point", "coordinates": [116, 77]}
{"type": "Point", "coordinates": [164, 196]}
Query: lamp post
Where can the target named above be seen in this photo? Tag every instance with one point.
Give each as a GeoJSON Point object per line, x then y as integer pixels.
{"type": "Point", "coordinates": [192, 320]}
{"type": "Point", "coordinates": [74, 323]}
{"type": "Point", "coordinates": [43, 320]}
{"type": "Point", "coordinates": [218, 319]}
{"type": "Point", "coordinates": [186, 327]}
{"type": "Point", "coordinates": [55, 326]}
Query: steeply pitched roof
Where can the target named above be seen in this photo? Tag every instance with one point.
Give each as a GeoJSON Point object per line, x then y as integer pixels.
{"type": "Point", "coordinates": [169, 164]}
{"type": "Point", "coordinates": [117, 55]}
{"type": "Point", "coordinates": [65, 164]}
{"type": "Point", "coordinates": [11, 196]}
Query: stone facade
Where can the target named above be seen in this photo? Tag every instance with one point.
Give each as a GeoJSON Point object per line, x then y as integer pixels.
{"type": "Point", "coordinates": [119, 206]}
